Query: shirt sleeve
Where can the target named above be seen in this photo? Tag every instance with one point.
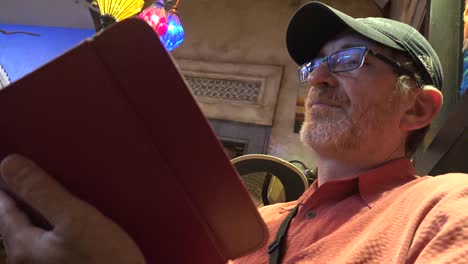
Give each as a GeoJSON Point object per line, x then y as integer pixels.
{"type": "Point", "coordinates": [442, 236]}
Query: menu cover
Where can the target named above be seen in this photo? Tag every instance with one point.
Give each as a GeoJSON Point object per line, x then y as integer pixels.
{"type": "Point", "coordinates": [114, 121]}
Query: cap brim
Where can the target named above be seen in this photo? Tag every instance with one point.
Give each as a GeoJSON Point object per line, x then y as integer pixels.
{"type": "Point", "coordinates": [315, 23]}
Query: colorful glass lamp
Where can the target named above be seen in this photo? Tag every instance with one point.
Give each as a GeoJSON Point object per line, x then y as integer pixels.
{"type": "Point", "coordinates": [155, 16]}
{"type": "Point", "coordinates": [166, 24]}
{"type": "Point", "coordinates": [116, 10]}
{"type": "Point", "coordinates": [175, 34]}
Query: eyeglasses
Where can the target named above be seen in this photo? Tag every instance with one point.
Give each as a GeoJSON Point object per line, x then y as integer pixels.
{"type": "Point", "coordinates": [346, 60]}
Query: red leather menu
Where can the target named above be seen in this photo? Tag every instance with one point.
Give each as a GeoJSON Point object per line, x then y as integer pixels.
{"type": "Point", "coordinates": [114, 121]}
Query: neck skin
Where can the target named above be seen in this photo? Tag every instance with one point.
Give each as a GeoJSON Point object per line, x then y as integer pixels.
{"type": "Point", "coordinates": [352, 164]}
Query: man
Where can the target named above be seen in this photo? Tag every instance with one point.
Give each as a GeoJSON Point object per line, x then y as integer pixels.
{"type": "Point", "coordinates": [373, 93]}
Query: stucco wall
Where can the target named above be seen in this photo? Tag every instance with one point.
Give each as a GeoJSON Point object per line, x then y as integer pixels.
{"type": "Point", "coordinates": [252, 32]}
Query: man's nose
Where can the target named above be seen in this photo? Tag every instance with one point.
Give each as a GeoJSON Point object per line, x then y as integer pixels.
{"type": "Point", "coordinates": [322, 76]}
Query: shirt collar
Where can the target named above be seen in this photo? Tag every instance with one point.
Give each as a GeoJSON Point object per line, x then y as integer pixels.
{"type": "Point", "coordinates": [331, 191]}
{"type": "Point", "coordinates": [370, 185]}
{"type": "Point", "coordinates": [374, 183]}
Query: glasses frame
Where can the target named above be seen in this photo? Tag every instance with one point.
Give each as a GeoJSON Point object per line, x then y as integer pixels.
{"type": "Point", "coordinates": [364, 51]}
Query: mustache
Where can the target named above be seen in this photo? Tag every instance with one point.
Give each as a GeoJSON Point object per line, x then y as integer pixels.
{"type": "Point", "coordinates": [326, 94]}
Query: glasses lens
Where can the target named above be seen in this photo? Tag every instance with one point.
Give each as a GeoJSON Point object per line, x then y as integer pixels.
{"type": "Point", "coordinates": [307, 68]}
{"type": "Point", "coordinates": [304, 72]}
{"type": "Point", "coordinates": [346, 60]}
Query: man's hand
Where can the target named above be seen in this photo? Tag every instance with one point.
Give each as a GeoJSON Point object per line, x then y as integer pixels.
{"type": "Point", "coordinates": [80, 233]}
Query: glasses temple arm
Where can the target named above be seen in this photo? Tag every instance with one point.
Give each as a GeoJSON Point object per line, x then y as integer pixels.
{"type": "Point", "coordinates": [398, 66]}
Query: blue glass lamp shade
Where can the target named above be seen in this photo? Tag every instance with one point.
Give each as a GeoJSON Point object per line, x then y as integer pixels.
{"type": "Point", "coordinates": [175, 32]}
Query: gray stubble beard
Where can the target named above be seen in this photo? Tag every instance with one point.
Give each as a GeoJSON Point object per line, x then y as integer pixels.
{"type": "Point", "coordinates": [332, 135]}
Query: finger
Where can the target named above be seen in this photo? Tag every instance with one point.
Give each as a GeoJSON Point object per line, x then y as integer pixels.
{"type": "Point", "coordinates": [34, 186]}
{"type": "Point", "coordinates": [19, 236]}
{"type": "Point", "coordinates": [12, 220]}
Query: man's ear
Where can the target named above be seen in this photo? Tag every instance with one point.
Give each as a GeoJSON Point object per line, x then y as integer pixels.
{"type": "Point", "coordinates": [422, 109]}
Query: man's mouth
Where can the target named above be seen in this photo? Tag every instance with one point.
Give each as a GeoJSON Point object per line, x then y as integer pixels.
{"type": "Point", "coordinates": [323, 103]}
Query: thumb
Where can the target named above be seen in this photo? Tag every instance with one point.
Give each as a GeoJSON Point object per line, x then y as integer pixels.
{"type": "Point", "coordinates": [32, 185]}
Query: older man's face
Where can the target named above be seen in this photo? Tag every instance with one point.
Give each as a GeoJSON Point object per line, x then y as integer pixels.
{"type": "Point", "coordinates": [355, 111]}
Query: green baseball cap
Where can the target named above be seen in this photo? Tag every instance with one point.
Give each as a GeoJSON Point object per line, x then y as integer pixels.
{"type": "Point", "coordinates": [316, 23]}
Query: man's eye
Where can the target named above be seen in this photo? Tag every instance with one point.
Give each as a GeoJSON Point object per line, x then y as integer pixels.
{"type": "Point", "coordinates": [352, 61]}
{"type": "Point", "coordinates": [348, 59]}
{"type": "Point", "coordinates": [343, 59]}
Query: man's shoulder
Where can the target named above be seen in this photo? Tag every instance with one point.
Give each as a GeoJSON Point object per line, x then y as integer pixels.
{"type": "Point", "coordinates": [445, 181]}
{"type": "Point", "coordinates": [440, 185]}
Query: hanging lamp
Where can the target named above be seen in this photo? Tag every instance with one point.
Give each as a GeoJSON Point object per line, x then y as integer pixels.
{"type": "Point", "coordinates": [175, 34]}
{"type": "Point", "coordinates": [116, 10]}
{"type": "Point", "coordinates": [155, 15]}
{"type": "Point", "coordinates": [165, 23]}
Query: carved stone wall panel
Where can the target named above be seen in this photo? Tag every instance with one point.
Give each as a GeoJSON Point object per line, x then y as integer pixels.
{"type": "Point", "coordinates": [215, 88]}
{"type": "Point", "coordinates": [245, 93]}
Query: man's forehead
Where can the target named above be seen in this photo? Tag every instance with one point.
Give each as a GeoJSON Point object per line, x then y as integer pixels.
{"type": "Point", "coordinates": [346, 40]}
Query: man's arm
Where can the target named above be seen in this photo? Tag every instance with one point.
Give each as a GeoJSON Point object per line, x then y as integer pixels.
{"type": "Point", "coordinates": [80, 233]}
{"type": "Point", "coordinates": [442, 237]}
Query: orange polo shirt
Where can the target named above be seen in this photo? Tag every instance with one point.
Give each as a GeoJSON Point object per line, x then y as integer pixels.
{"type": "Point", "coordinates": [386, 215]}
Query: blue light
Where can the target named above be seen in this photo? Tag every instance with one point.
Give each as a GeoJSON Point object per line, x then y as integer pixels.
{"type": "Point", "coordinates": [175, 32]}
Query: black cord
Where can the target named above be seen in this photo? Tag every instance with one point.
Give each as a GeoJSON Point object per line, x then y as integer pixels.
{"type": "Point", "coordinates": [18, 32]}
{"type": "Point", "coordinates": [310, 174]}
{"type": "Point", "coordinates": [300, 162]}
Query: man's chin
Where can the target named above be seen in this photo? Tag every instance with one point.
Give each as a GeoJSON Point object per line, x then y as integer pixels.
{"type": "Point", "coordinates": [326, 136]}
{"type": "Point", "coordinates": [313, 136]}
